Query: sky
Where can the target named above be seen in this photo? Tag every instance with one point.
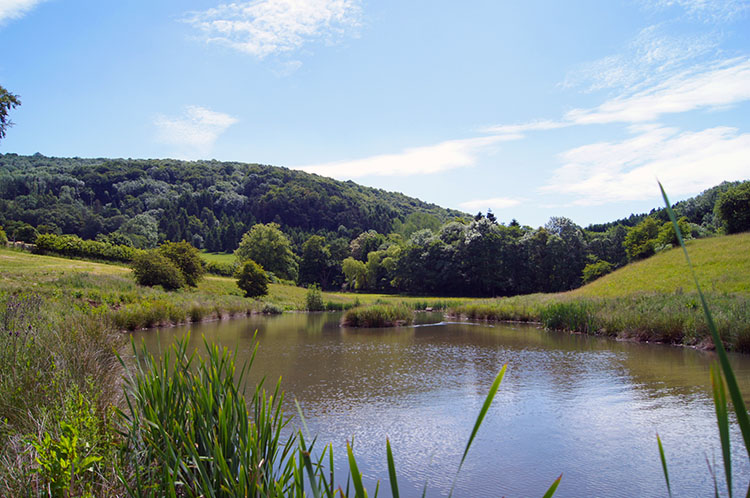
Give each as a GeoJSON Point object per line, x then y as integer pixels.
{"type": "Point", "coordinates": [529, 108]}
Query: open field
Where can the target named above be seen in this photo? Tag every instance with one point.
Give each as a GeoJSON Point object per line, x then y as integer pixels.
{"type": "Point", "coordinates": [721, 263]}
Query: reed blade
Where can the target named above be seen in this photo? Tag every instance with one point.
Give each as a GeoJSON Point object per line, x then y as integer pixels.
{"type": "Point", "coordinates": [391, 469]}
{"type": "Point", "coordinates": [359, 488]}
{"type": "Point", "coordinates": [664, 464]}
{"type": "Point", "coordinates": [734, 390]}
{"type": "Point", "coordinates": [553, 488]}
{"type": "Point", "coordinates": [722, 420]}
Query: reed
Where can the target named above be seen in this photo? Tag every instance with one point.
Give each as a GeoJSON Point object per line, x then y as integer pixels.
{"type": "Point", "coordinates": [378, 315]}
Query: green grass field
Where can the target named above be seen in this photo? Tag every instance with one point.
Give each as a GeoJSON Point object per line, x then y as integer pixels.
{"type": "Point", "coordinates": [721, 263]}
{"type": "Point", "coordinates": [218, 257]}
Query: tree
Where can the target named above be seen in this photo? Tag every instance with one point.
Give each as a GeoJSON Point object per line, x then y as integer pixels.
{"type": "Point", "coordinates": [270, 248]}
{"type": "Point", "coordinates": [186, 258]}
{"type": "Point", "coordinates": [355, 273]}
{"type": "Point", "coordinates": [8, 101]}
{"type": "Point", "coordinates": [152, 268]}
{"type": "Point", "coordinates": [641, 239]}
{"type": "Point", "coordinates": [733, 208]}
{"type": "Point", "coordinates": [317, 266]}
{"type": "Point", "coordinates": [252, 279]}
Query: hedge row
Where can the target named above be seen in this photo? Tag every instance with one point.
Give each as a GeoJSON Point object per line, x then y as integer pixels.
{"type": "Point", "coordinates": [74, 246]}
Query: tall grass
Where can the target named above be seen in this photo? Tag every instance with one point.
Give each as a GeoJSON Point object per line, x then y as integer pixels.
{"type": "Point", "coordinates": [379, 315]}
{"type": "Point", "coordinates": [719, 380]}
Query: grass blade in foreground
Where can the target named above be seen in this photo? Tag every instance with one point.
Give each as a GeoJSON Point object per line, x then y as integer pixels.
{"type": "Point", "coordinates": [391, 469]}
{"type": "Point", "coordinates": [486, 406]}
{"type": "Point", "coordinates": [664, 464]}
{"type": "Point", "coordinates": [356, 475]}
{"type": "Point", "coordinates": [722, 419]}
{"type": "Point", "coordinates": [553, 488]}
{"type": "Point", "coordinates": [734, 390]}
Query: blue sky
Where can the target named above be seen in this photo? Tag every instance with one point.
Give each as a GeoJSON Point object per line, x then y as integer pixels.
{"type": "Point", "coordinates": [530, 108]}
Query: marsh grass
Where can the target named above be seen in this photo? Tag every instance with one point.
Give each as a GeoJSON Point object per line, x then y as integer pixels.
{"type": "Point", "coordinates": [378, 315]}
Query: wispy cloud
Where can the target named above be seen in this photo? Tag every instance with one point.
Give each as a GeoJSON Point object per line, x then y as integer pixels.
{"type": "Point", "coordinates": [713, 11]}
{"type": "Point", "coordinates": [195, 132]}
{"type": "Point", "coordinates": [14, 9]}
{"type": "Point", "coordinates": [265, 27]}
{"type": "Point", "coordinates": [496, 203]}
{"type": "Point", "coordinates": [686, 162]}
{"type": "Point", "coordinates": [649, 57]}
{"type": "Point", "coordinates": [720, 85]}
{"type": "Point", "coordinates": [430, 159]}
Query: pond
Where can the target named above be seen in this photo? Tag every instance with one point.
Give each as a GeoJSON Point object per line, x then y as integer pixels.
{"type": "Point", "coordinates": [585, 407]}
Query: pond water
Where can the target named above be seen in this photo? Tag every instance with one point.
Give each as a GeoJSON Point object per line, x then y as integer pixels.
{"type": "Point", "coordinates": [587, 408]}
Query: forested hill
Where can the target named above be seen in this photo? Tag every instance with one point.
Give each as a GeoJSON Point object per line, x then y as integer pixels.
{"type": "Point", "coordinates": [208, 203]}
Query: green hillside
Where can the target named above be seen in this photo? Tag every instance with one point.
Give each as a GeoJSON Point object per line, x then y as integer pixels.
{"type": "Point", "coordinates": [721, 263]}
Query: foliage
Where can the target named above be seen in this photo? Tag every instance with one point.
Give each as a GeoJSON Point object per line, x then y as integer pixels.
{"type": "Point", "coordinates": [252, 279]}
{"type": "Point", "coordinates": [355, 273]}
{"type": "Point", "coordinates": [73, 246]}
{"type": "Point", "coordinates": [67, 461]}
{"type": "Point", "coordinates": [186, 258]}
{"type": "Point", "coordinates": [667, 237]}
{"type": "Point", "coordinates": [152, 268]}
{"type": "Point", "coordinates": [317, 265]}
{"type": "Point", "coordinates": [189, 432]}
{"type": "Point", "coordinates": [733, 208]}
{"type": "Point", "coordinates": [8, 101]}
{"type": "Point", "coordinates": [269, 247]}
{"type": "Point", "coordinates": [314, 299]}
{"type": "Point", "coordinates": [216, 201]}
{"type": "Point", "coordinates": [3, 237]}
{"type": "Point", "coordinates": [597, 269]}
{"type": "Point", "coordinates": [641, 239]}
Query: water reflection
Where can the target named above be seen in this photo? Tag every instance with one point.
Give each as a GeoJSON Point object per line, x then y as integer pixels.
{"type": "Point", "coordinates": [583, 406]}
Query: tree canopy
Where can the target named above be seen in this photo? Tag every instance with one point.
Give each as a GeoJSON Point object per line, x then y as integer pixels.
{"type": "Point", "coordinates": [269, 247]}
{"type": "Point", "coordinates": [8, 101]}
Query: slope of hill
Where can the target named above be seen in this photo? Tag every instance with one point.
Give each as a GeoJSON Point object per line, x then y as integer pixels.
{"type": "Point", "coordinates": [209, 203]}
{"type": "Point", "coordinates": [721, 263]}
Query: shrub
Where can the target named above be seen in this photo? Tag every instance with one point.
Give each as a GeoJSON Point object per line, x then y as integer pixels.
{"type": "Point", "coordinates": [592, 271]}
{"type": "Point", "coordinates": [314, 299]}
{"type": "Point", "coordinates": [152, 268]}
{"type": "Point", "coordinates": [223, 269]}
{"type": "Point", "coordinates": [186, 258]}
{"type": "Point", "coordinates": [3, 237]}
{"type": "Point", "coordinates": [252, 279]}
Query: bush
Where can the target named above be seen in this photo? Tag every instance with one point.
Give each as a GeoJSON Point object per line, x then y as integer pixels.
{"type": "Point", "coordinates": [252, 279]}
{"type": "Point", "coordinates": [314, 299]}
{"type": "Point", "coordinates": [592, 271]}
{"type": "Point", "coordinates": [223, 269]}
{"type": "Point", "coordinates": [152, 268]}
{"type": "Point", "coordinates": [186, 258]}
{"type": "Point", "coordinates": [3, 237]}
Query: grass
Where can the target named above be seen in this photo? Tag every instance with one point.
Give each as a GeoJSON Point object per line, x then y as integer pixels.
{"type": "Point", "coordinates": [218, 257]}
{"type": "Point", "coordinates": [378, 315]}
{"type": "Point", "coordinates": [721, 263]}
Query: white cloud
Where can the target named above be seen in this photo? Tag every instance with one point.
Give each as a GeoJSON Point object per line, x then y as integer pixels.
{"type": "Point", "coordinates": [195, 131]}
{"type": "Point", "coordinates": [685, 162]}
{"type": "Point", "coordinates": [720, 85]}
{"type": "Point", "coordinates": [714, 11]}
{"type": "Point", "coordinates": [265, 27]}
{"type": "Point", "coordinates": [516, 131]}
{"type": "Point", "coordinates": [494, 203]}
{"type": "Point", "coordinates": [651, 56]}
{"type": "Point", "coordinates": [430, 159]}
{"type": "Point", "coordinates": [15, 9]}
